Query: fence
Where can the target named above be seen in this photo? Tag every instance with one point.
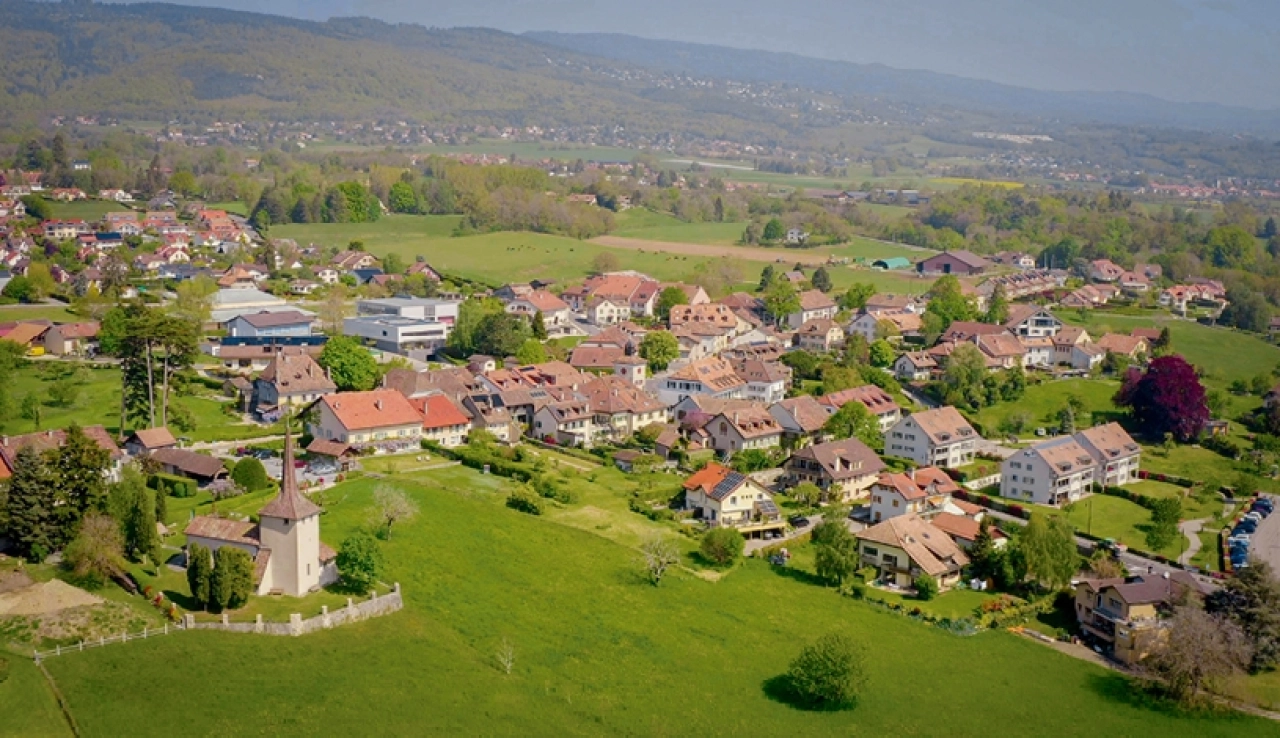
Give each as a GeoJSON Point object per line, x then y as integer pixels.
{"type": "Point", "coordinates": [122, 638]}
{"type": "Point", "coordinates": [353, 612]}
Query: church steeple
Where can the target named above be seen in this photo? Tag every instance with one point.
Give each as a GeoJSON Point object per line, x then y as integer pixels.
{"type": "Point", "coordinates": [290, 504]}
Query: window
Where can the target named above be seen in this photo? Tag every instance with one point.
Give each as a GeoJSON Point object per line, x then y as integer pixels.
{"type": "Point", "coordinates": [895, 503]}
{"type": "Point", "coordinates": [890, 560]}
{"type": "Point", "coordinates": [869, 551]}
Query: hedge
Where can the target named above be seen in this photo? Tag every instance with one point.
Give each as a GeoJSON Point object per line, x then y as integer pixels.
{"type": "Point", "coordinates": [173, 485]}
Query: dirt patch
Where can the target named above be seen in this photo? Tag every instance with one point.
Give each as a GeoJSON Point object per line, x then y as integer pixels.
{"type": "Point", "coordinates": [41, 599]}
{"type": "Point", "coordinates": [750, 253]}
{"type": "Point", "coordinates": [14, 580]}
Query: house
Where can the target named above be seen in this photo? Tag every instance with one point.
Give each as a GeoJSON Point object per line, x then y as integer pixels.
{"type": "Point", "coordinates": [906, 547]}
{"type": "Point", "coordinates": [843, 470]}
{"type": "Point", "coordinates": [47, 440]}
{"type": "Point", "coordinates": [377, 418]}
{"type": "Point", "coordinates": [954, 262]}
{"type": "Point", "coordinates": [891, 303]}
{"type": "Point", "coordinates": [1133, 347]}
{"type": "Point", "coordinates": [924, 492]}
{"type": "Point", "coordinates": [796, 236]}
{"type": "Point", "coordinates": [303, 287]}
{"type": "Point", "coordinates": [1114, 452]}
{"type": "Point", "coordinates": [966, 330]}
{"type": "Point", "coordinates": [1134, 283]}
{"type": "Point", "coordinates": [347, 261]}
{"type": "Point", "coordinates": [556, 316]}
{"type": "Point", "coordinates": [567, 423]}
{"type": "Point", "coordinates": [1085, 357]}
{"type": "Point", "coordinates": [877, 402]}
{"type": "Point", "coordinates": [940, 437]}
{"type": "Point", "coordinates": [1032, 321]}
{"type": "Point", "coordinates": [1055, 473]}
{"type": "Point", "coordinates": [72, 339]}
{"type": "Point", "coordinates": [202, 468]}
{"type": "Point", "coordinates": [416, 327]}
{"type": "Point", "coordinates": [802, 419]}
{"type": "Point", "coordinates": [914, 366]}
{"type": "Point", "coordinates": [626, 294]}
{"type": "Point", "coordinates": [328, 275]}
{"type": "Point", "coordinates": [425, 269]}
{"type": "Point", "coordinates": [1065, 341]}
{"type": "Point", "coordinates": [713, 313]}
{"type": "Point", "coordinates": [964, 530]}
{"type": "Point", "coordinates": [621, 408]}
{"type": "Point", "coordinates": [1003, 350]}
{"type": "Point", "coordinates": [1105, 270]}
{"type": "Point", "coordinates": [250, 359]}
{"type": "Point", "coordinates": [290, 380]}
{"type": "Point", "coordinates": [693, 294]}
{"type": "Point", "coordinates": [814, 305]}
{"type": "Point", "coordinates": [820, 335]}
{"type": "Point", "coordinates": [1037, 352]}
{"type": "Point", "coordinates": [443, 422]}
{"type": "Point", "coordinates": [723, 497]}
{"type": "Point", "coordinates": [890, 324]}
{"type": "Point", "coordinates": [749, 427]}
{"type": "Point", "coordinates": [146, 440]}
{"type": "Point", "coordinates": [1125, 615]}
{"type": "Point", "coordinates": [285, 543]}
{"type": "Point", "coordinates": [767, 381]}
{"type": "Point", "coordinates": [270, 324]}
{"type": "Point", "coordinates": [711, 376]}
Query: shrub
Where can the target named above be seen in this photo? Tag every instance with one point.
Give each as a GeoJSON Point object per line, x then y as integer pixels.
{"type": "Point", "coordinates": [926, 587]}
{"type": "Point", "coordinates": [173, 485]}
{"type": "Point", "coordinates": [722, 546]}
{"type": "Point", "coordinates": [250, 475]}
{"type": "Point", "coordinates": [525, 500]}
{"type": "Point", "coordinates": [360, 562]}
{"type": "Point", "coordinates": [828, 673]}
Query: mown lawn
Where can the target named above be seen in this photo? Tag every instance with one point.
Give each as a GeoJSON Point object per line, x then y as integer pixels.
{"type": "Point", "coordinates": [27, 706]}
{"type": "Point", "coordinates": [649, 225]}
{"type": "Point", "coordinates": [56, 313]}
{"type": "Point", "coordinates": [597, 650]}
{"type": "Point", "coordinates": [91, 210]}
{"type": "Point", "coordinates": [1042, 402]}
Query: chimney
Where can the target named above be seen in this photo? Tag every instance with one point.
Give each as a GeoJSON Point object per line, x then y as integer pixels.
{"type": "Point", "coordinates": [911, 474]}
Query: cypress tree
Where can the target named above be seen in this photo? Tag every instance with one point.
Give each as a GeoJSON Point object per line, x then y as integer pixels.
{"type": "Point", "coordinates": [199, 573]}
{"type": "Point", "coordinates": [80, 463]}
{"type": "Point", "coordinates": [31, 500]}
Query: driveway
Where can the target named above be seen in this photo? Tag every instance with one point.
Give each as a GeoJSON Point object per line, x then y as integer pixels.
{"type": "Point", "coordinates": [1266, 542]}
{"type": "Point", "coordinates": [274, 466]}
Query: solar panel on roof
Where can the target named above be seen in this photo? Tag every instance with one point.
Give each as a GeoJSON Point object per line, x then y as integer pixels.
{"type": "Point", "coordinates": [731, 482]}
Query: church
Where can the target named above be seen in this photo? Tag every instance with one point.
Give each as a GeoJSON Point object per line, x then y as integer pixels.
{"type": "Point", "coordinates": [285, 544]}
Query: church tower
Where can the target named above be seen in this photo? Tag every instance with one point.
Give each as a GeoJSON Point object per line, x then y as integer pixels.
{"type": "Point", "coordinates": [289, 531]}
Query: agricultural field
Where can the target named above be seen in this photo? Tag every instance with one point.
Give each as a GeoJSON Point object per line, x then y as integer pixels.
{"type": "Point", "coordinates": [597, 649]}
{"type": "Point", "coordinates": [54, 311]}
{"type": "Point", "coordinates": [651, 226]}
{"type": "Point", "coordinates": [90, 210]}
{"type": "Point", "coordinates": [27, 706]}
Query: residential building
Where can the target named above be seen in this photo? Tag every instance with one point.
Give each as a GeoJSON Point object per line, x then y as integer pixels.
{"type": "Point", "coordinates": [1003, 350]}
{"type": "Point", "coordinates": [377, 418]}
{"type": "Point", "coordinates": [50, 439]}
{"type": "Point", "coordinates": [767, 381]}
{"type": "Point", "coordinates": [1105, 270]}
{"type": "Point", "coordinates": [891, 324]}
{"type": "Point", "coordinates": [202, 468]}
{"type": "Point", "coordinates": [814, 305]}
{"type": "Point", "coordinates": [802, 419]}
{"type": "Point", "coordinates": [1125, 616]}
{"type": "Point", "coordinates": [906, 547]}
{"type": "Point", "coordinates": [723, 497]}
{"type": "Point", "coordinates": [750, 427]}
{"type": "Point", "coordinates": [940, 437]}
{"type": "Point", "coordinates": [620, 408]}
{"type": "Point", "coordinates": [346, 261]}
{"type": "Point", "coordinates": [1114, 452]}
{"type": "Point", "coordinates": [251, 359]}
{"type": "Point", "coordinates": [1032, 321]}
{"type": "Point", "coordinates": [924, 492]}
{"type": "Point", "coordinates": [290, 380]}
{"type": "Point", "coordinates": [915, 366]}
{"type": "Point", "coordinates": [966, 330]}
{"type": "Point", "coordinates": [877, 402]}
{"type": "Point", "coordinates": [710, 376]}
{"type": "Point", "coordinates": [145, 440]}
{"type": "Point", "coordinates": [557, 318]}
{"type": "Point", "coordinates": [843, 470]}
{"type": "Point", "coordinates": [1055, 473]}
{"type": "Point", "coordinates": [1085, 357]}
{"type": "Point", "coordinates": [270, 324]}
{"type": "Point", "coordinates": [719, 315]}
{"type": "Point", "coordinates": [1131, 347]}
{"type": "Point", "coordinates": [820, 335]}
{"type": "Point", "coordinates": [891, 303]}
{"type": "Point", "coordinates": [954, 262]}
{"type": "Point", "coordinates": [568, 423]}
{"type": "Point", "coordinates": [72, 339]}
{"type": "Point", "coordinates": [627, 293]}
{"type": "Point", "coordinates": [443, 422]}
{"type": "Point", "coordinates": [1065, 341]}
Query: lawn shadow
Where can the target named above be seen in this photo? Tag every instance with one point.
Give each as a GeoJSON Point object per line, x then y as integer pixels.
{"type": "Point", "coordinates": [778, 689]}
{"type": "Point", "coordinates": [183, 600]}
{"type": "Point", "coordinates": [1134, 693]}
{"type": "Point", "coordinates": [799, 575]}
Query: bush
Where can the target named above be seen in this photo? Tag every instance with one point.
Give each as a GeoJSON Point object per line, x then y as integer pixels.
{"type": "Point", "coordinates": [360, 562]}
{"type": "Point", "coordinates": [828, 673]}
{"type": "Point", "coordinates": [722, 546]}
{"type": "Point", "coordinates": [525, 500]}
{"type": "Point", "coordinates": [172, 485]}
{"type": "Point", "coordinates": [926, 587]}
{"type": "Point", "coordinates": [250, 474]}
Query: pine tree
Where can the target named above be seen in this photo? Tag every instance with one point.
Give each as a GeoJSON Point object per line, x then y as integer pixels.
{"type": "Point", "coordinates": [539, 326]}
{"type": "Point", "coordinates": [139, 521]}
{"type": "Point", "coordinates": [199, 573]}
{"type": "Point", "coordinates": [80, 463]}
{"type": "Point", "coordinates": [31, 501]}
{"type": "Point", "coordinates": [232, 581]}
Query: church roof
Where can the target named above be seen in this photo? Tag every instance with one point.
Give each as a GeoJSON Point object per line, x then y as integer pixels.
{"type": "Point", "coordinates": [289, 504]}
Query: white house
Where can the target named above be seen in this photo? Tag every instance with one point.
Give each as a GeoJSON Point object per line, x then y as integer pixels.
{"type": "Point", "coordinates": [723, 497]}
{"type": "Point", "coordinates": [377, 417]}
{"type": "Point", "coordinates": [747, 428]}
{"type": "Point", "coordinates": [923, 492]}
{"type": "Point", "coordinates": [1052, 473]}
{"type": "Point", "coordinates": [1032, 321]}
{"type": "Point", "coordinates": [1114, 451]}
{"type": "Point", "coordinates": [568, 423]}
{"type": "Point", "coordinates": [711, 376]}
{"type": "Point", "coordinates": [914, 366]}
{"type": "Point", "coordinates": [940, 437]}
{"type": "Point", "coordinates": [813, 306]}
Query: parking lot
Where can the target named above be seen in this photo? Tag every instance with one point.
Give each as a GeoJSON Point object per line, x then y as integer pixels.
{"type": "Point", "coordinates": [1266, 541]}
{"type": "Point", "coordinates": [274, 466]}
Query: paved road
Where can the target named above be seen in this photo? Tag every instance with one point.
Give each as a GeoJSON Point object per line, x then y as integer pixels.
{"type": "Point", "coordinates": [1266, 542]}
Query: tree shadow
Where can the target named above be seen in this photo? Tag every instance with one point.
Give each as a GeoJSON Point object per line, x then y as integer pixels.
{"type": "Point", "coordinates": [779, 689]}
{"type": "Point", "coordinates": [183, 600]}
{"type": "Point", "coordinates": [1133, 692]}
{"type": "Point", "coordinates": [799, 575]}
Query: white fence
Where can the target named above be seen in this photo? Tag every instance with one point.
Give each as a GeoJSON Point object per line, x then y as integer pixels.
{"type": "Point", "coordinates": [106, 640]}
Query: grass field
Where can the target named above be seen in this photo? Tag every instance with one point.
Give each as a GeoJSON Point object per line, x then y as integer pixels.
{"type": "Point", "coordinates": [597, 650]}
{"type": "Point", "coordinates": [1115, 517]}
{"type": "Point", "coordinates": [236, 207]}
{"type": "Point", "coordinates": [646, 224]}
{"type": "Point", "coordinates": [56, 313]}
{"type": "Point", "coordinates": [1043, 401]}
{"type": "Point", "coordinates": [27, 707]}
{"type": "Point", "coordinates": [85, 209]}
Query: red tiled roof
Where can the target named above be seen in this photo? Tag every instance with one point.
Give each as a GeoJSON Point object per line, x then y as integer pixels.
{"type": "Point", "coordinates": [438, 411]}
{"type": "Point", "coordinates": [373, 409]}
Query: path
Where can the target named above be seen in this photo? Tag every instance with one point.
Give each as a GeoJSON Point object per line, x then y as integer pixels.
{"type": "Point", "coordinates": [563, 459]}
{"type": "Point", "coordinates": [224, 446]}
{"type": "Point", "coordinates": [1191, 529]}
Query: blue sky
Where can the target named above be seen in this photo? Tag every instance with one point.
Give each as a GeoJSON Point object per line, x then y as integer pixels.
{"type": "Point", "coordinates": [1225, 51]}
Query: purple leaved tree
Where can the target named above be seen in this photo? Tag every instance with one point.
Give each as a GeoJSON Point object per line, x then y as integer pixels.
{"type": "Point", "coordinates": [1167, 398]}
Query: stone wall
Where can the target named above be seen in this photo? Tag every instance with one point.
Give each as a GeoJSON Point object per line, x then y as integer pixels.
{"type": "Point", "coordinates": [353, 612]}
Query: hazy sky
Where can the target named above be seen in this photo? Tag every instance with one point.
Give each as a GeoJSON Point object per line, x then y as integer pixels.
{"type": "Point", "coordinates": [1225, 51]}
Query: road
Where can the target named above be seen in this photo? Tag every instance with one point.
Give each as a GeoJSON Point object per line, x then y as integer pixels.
{"type": "Point", "coordinates": [1266, 542]}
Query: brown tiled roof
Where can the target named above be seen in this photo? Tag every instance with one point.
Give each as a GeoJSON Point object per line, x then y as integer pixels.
{"type": "Point", "coordinates": [614, 395]}
{"type": "Point", "coordinates": [569, 410]}
{"type": "Point", "coordinates": [1153, 334]}
{"type": "Point", "coordinates": [1063, 455]}
{"type": "Point", "coordinates": [944, 424]}
{"type": "Point", "coordinates": [45, 440]}
{"type": "Point", "coordinates": [818, 327]}
{"type": "Point", "coordinates": [743, 301]}
{"type": "Point", "coordinates": [595, 357]}
{"type": "Point", "coordinates": [457, 381]}
{"type": "Point", "coordinates": [904, 484]}
{"type": "Point", "coordinates": [1111, 440]}
{"type": "Point", "coordinates": [843, 459]}
{"type": "Point", "coordinates": [960, 527]}
{"type": "Point", "coordinates": [24, 333]}
{"type": "Point", "coordinates": [373, 409]}
{"type": "Point", "coordinates": [712, 371]}
{"type": "Point", "coordinates": [755, 370]}
{"type": "Point", "coordinates": [932, 479]}
{"type": "Point", "coordinates": [807, 412]}
{"type": "Point", "coordinates": [753, 422]}
{"type": "Point", "coordinates": [1120, 344]}
{"type": "Point", "coordinates": [79, 330]}
{"type": "Point", "coordinates": [928, 547]}
{"type": "Point", "coordinates": [438, 411]}
{"type": "Point", "coordinates": [223, 529]}
{"type": "Point", "coordinates": [189, 462]}
{"type": "Point", "coordinates": [544, 301]}
{"type": "Point", "coordinates": [153, 438]}
{"type": "Point", "coordinates": [963, 330]}
{"type": "Point", "coordinates": [324, 447]}
{"type": "Point", "coordinates": [297, 374]}
{"type": "Point", "coordinates": [714, 313]}
{"type": "Point", "coordinates": [815, 300]}
{"type": "Point", "coordinates": [267, 319]}
{"type": "Point", "coordinates": [876, 400]}
{"type": "Point", "coordinates": [1000, 345]}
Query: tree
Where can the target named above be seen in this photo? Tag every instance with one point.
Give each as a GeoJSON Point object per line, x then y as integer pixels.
{"type": "Point", "coordinates": [232, 580]}
{"type": "Point", "coordinates": [501, 334]}
{"type": "Point", "coordinates": [835, 551]}
{"type": "Point", "coordinates": [926, 587]}
{"type": "Point", "coordinates": [250, 475]}
{"type": "Point", "coordinates": [138, 518]}
{"type": "Point", "coordinates": [1199, 652]}
{"type": "Point", "coordinates": [32, 498]}
{"type": "Point", "coordinates": [538, 325]}
{"type": "Point", "coordinates": [1163, 343]}
{"type": "Point", "coordinates": [604, 262]}
{"type": "Point", "coordinates": [65, 392]}
{"type": "Point", "coordinates": [854, 420]}
{"type": "Point", "coordinates": [998, 309]}
{"type": "Point", "coordinates": [41, 279]}
{"type": "Point", "coordinates": [334, 308]}
{"type": "Point", "coordinates": [96, 553]}
{"type": "Point", "coordinates": [1048, 546]}
{"type": "Point", "coordinates": [32, 409]}
{"type": "Point", "coordinates": [360, 562]}
{"type": "Point", "coordinates": [722, 546]}
{"type": "Point", "coordinates": [21, 289]}
{"type": "Point", "coordinates": [402, 198]}
{"type": "Point", "coordinates": [38, 207]}
{"type": "Point", "coordinates": [658, 555]}
{"type": "Point", "coordinates": [465, 335]}
{"type": "Point", "coordinates": [659, 348]}
{"type": "Point", "coordinates": [965, 376]}
{"type": "Point", "coordinates": [195, 299]}
{"type": "Point", "coordinates": [183, 182]}
{"type": "Point", "coordinates": [1105, 566]}
{"type": "Point", "coordinates": [821, 280]}
{"type": "Point", "coordinates": [984, 557]}
{"type": "Point", "coordinates": [80, 465]}
{"type": "Point", "coordinates": [392, 263]}
{"type": "Point", "coordinates": [767, 276]}
{"type": "Point", "coordinates": [667, 299]}
{"type": "Point", "coordinates": [882, 353]}
{"type": "Point", "coordinates": [391, 506]}
{"type": "Point", "coordinates": [199, 573]}
{"type": "Point", "coordinates": [531, 352]}
{"type": "Point", "coordinates": [829, 673]}
{"type": "Point", "coordinates": [781, 300]}
{"type": "Point", "coordinates": [855, 298]}
{"type": "Point", "coordinates": [806, 494]}
{"type": "Point", "coordinates": [1165, 514]}
{"type": "Point", "coordinates": [774, 230]}
{"type": "Point", "coordinates": [350, 365]}
{"type": "Point", "coordinates": [948, 301]}
{"type": "Point", "coordinates": [1167, 398]}
{"type": "Point", "coordinates": [1251, 600]}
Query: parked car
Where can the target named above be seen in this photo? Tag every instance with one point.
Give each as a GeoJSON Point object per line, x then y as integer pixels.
{"type": "Point", "coordinates": [1254, 516]}
{"type": "Point", "coordinates": [798, 521]}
